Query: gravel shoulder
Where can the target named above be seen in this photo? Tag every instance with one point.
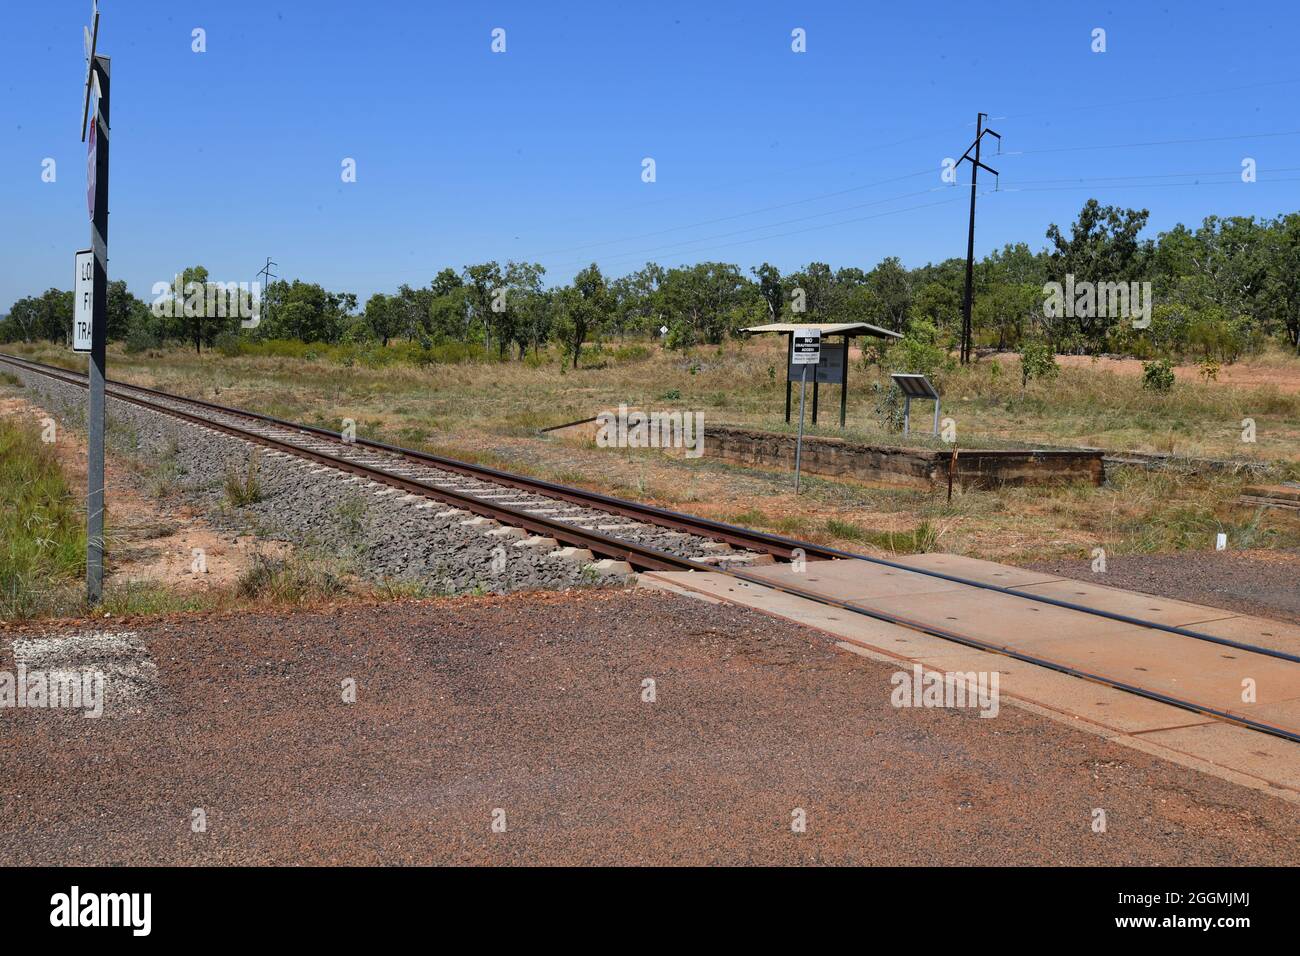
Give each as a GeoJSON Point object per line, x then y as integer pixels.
{"type": "Point", "coordinates": [529, 709]}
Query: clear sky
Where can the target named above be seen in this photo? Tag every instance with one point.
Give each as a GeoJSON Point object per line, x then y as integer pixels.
{"type": "Point", "coordinates": [225, 157]}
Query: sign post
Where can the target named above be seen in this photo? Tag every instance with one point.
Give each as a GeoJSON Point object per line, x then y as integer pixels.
{"type": "Point", "coordinates": [805, 350]}
{"type": "Point", "coordinates": [97, 90]}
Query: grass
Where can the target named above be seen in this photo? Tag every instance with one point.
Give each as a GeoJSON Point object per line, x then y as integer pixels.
{"type": "Point", "coordinates": [42, 535]}
{"type": "Point", "coordinates": [919, 540]}
{"type": "Point", "coordinates": [244, 489]}
{"type": "Point", "coordinates": [474, 408]}
{"type": "Point", "coordinates": [407, 393]}
{"type": "Point", "coordinates": [163, 479]}
{"type": "Point", "coordinates": [294, 580]}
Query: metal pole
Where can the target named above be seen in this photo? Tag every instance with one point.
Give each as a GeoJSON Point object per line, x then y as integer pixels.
{"type": "Point", "coordinates": [970, 246]}
{"type": "Point", "coordinates": [798, 448]}
{"type": "Point", "coordinates": [789, 357]}
{"type": "Point", "coordinates": [844, 382]}
{"type": "Point", "coordinates": [814, 410]}
{"type": "Point", "coordinates": [98, 344]}
{"type": "Point", "coordinates": [936, 416]}
{"type": "Point", "coordinates": [907, 414]}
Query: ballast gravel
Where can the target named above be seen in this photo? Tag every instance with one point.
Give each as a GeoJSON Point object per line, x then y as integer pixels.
{"type": "Point", "coordinates": [383, 533]}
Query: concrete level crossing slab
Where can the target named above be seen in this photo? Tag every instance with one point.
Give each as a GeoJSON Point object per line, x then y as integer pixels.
{"type": "Point", "coordinates": [856, 580]}
{"type": "Point", "coordinates": [1083, 641]}
{"type": "Point", "coordinates": [1259, 631]}
{"type": "Point", "coordinates": [1131, 603]}
{"type": "Point", "coordinates": [1171, 665]}
{"type": "Point", "coordinates": [976, 569]}
{"type": "Point", "coordinates": [1217, 745]}
{"type": "Point", "coordinates": [1183, 668]}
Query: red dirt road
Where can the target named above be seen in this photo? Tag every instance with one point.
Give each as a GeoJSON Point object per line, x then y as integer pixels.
{"type": "Point", "coordinates": [533, 705]}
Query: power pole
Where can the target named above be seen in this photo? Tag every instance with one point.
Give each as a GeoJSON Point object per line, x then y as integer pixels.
{"type": "Point", "coordinates": [975, 166]}
{"type": "Point", "coordinates": [267, 275]}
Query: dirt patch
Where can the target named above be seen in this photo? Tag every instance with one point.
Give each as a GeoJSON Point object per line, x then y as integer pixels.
{"type": "Point", "coordinates": [530, 711]}
{"type": "Point", "coordinates": [1241, 375]}
{"type": "Point", "coordinates": [150, 539]}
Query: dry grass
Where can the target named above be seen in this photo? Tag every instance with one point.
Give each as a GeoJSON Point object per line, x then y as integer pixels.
{"type": "Point", "coordinates": [491, 413]}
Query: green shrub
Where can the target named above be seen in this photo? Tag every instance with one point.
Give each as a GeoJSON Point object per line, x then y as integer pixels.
{"type": "Point", "coordinates": [918, 352]}
{"type": "Point", "coordinates": [141, 337]}
{"type": "Point", "coordinates": [631, 353]}
{"type": "Point", "coordinates": [1158, 375]}
{"type": "Point", "coordinates": [1037, 360]}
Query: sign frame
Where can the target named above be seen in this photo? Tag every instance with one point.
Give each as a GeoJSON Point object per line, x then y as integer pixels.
{"type": "Point", "coordinates": [83, 300]}
{"type": "Point", "coordinates": [806, 346]}
{"type": "Point", "coordinates": [830, 368]}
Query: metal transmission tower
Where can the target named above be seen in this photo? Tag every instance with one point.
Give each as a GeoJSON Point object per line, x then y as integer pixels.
{"type": "Point", "coordinates": [975, 166]}
{"type": "Point", "coordinates": [267, 275]}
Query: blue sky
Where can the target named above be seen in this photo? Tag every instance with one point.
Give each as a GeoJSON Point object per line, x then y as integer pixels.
{"type": "Point", "coordinates": [225, 157]}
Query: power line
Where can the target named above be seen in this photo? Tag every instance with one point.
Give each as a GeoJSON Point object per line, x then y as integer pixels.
{"type": "Point", "coordinates": [1158, 142]}
{"type": "Point", "coordinates": [1149, 99]}
{"type": "Point", "coordinates": [827, 225]}
{"type": "Point", "coordinates": [771, 225]}
{"type": "Point", "coordinates": [931, 133]}
{"type": "Point", "coordinates": [741, 215]}
{"type": "Point", "coordinates": [1226, 182]}
{"type": "Point", "coordinates": [1099, 179]}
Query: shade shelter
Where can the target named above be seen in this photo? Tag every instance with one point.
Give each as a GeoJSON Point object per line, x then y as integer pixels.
{"type": "Point", "coordinates": [834, 366]}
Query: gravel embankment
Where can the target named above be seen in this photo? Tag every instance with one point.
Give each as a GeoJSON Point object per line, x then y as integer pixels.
{"type": "Point", "coordinates": [532, 705]}
{"type": "Point", "coordinates": [378, 531]}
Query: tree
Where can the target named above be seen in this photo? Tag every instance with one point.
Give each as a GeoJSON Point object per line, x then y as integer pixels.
{"type": "Point", "coordinates": [305, 311]}
{"type": "Point", "coordinates": [703, 299]}
{"type": "Point", "coordinates": [580, 310]}
{"type": "Point", "coordinates": [637, 300]}
{"type": "Point", "coordinates": [525, 305]}
{"type": "Point", "coordinates": [124, 311]}
{"type": "Point", "coordinates": [193, 307]}
{"type": "Point", "coordinates": [820, 295]}
{"type": "Point", "coordinates": [482, 282]}
{"type": "Point", "coordinates": [47, 316]}
{"type": "Point", "coordinates": [1103, 246]}
{"type": "Point", "coordinates": [1279, 299]}
{"type": "Point", "coordinates": [383, 317]}
{"type": "Point", "coordinates": [891, 293]}
{"type": "Point", "coordinates": [771, 289]}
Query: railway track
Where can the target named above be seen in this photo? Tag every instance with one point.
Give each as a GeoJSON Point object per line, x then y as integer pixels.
{"type": "Point", "coordinates": [646, 537]}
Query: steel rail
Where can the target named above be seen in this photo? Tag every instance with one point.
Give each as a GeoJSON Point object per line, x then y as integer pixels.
{"type": "Point", "coordinates": [653, 559]}
{"type": "Point", "coordinates": [663, 517]}
{"type": "Point", "coordinates": [752, 540]}
{"type": "Point", "coordinates": [942, 632]}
